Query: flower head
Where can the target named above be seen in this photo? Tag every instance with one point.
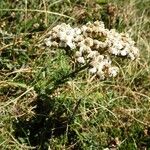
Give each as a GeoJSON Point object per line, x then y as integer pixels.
{"type": "Point", "coordinates": [95, 44]}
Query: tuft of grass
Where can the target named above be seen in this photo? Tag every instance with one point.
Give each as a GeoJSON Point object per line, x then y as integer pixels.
{"type": "Point", "coordinates": [47, 102]}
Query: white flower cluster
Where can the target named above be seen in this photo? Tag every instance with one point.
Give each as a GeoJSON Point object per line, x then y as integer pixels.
{"type": "Point", "coordinates": [93, 43]}
{"type": "Point", "coordinates": [122, 45]}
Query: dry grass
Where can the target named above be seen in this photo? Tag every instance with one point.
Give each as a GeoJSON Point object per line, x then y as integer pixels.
{"type": "Point", "coordinates": [46, 104]}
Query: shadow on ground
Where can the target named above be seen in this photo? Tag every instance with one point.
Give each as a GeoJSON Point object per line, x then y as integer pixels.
{"type": "Point", "coordinates": [48, 120]}
{"type": "Point", "coordinates": [46, 123]}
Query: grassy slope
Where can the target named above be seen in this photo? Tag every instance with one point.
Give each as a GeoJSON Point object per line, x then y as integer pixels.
{"type": "Point", "coordinates": [45, 104]}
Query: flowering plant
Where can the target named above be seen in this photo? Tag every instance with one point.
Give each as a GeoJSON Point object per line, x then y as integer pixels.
{"type": "Point", "coordinates": [93, 44]}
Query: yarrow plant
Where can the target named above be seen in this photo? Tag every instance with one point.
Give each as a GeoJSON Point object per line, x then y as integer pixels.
{"type": "Point", "coordinates": [94, 44]}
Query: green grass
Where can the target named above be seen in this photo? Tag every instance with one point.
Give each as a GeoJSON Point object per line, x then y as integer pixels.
{"type": "Point", "coordinates": [47, 102]}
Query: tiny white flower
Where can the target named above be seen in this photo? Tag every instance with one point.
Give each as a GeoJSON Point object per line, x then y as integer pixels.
{"type": "Point", "coordinates": [124, 52]}
{"type": "Point", "coordinates": [96, 42]}
{"type": "Point", "coordinates": [81, 44]}
{"type": "Point", "coordinates": [135, 51]}
{"type": "Point", "coordinates": [92, 54]}
{"type": "Point", "coordinates": [81, 60]}
{"type": "Point", "coordinates": [83, 48]}
{"type": "Point", "coordinates": [70, 32]}
{"type": "Point", "coordinates": [71, 44]}
{"type": "Point", "coordinates": [48, 42]}
{"type": "Point", "coordinates": [106, 63]}
{"type": "Point", "coordinates": [98, 23]}
{"type": "Point", "coordinates": [55, 44]}
{"type": "Point", "coordinates": [77, 31]}
{"type": "Point", "coordinates": [118, 44]}
{"type": "Point", "coordinates": [92, 70]}
{"type": "Point", "coordinates": [102, 44]}
{"type": "Point", "coordinates": [94, 63]}
{"type": "Point", "coordinates": [101, 75]}
{"type": "Point", "coordinates": [79, 38]}
{"type": "Point", "coordinates": [89, 42]}
{"type": "Point", "coordinates": [78, 54]}
{"type": "Point", "coordinates": [63, 36]}
{"type": "Point", "coordinates": [100, 58]}
{"type": "Point", "coordinates": [132, 56]}
{"type": "Point", "coordinates": [113, 51]}
{"type": "Point", "coordinates": [83, 28]}
{"type": "Point", "coordinates": [113, 71]}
